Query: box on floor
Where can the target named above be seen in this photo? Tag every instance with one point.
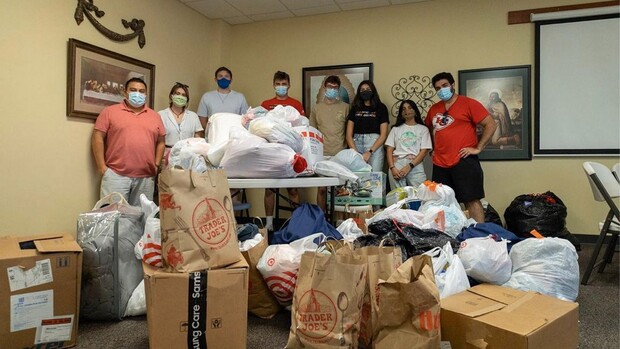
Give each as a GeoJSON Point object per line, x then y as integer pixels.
{"type": "Point", "coordinates": [491, 316]}
{"type": "Point", "coordinates": [40, 302]}
{"type": "Point", "coordinates": [198, 309]}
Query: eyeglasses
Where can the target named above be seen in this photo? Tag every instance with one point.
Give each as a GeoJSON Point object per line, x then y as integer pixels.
{"type": "Point", "coordinates": [181, 84]}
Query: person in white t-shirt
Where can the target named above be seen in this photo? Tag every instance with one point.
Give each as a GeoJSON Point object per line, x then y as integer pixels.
{"type": "Point", "coordinates": [221, 100]}
{"type": "Point", "coordinates": [180, 123]}
{"type": "Point", "coordinates": [408, 142]}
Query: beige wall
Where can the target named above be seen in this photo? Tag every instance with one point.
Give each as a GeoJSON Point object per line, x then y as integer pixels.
{"type": "Point", "coordinates": [47, 173]}
{"type": "Point", "coordinates": [48, 177]}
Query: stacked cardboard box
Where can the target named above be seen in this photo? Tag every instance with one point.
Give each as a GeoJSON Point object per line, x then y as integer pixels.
{"type": "Point", "coordinates": [40, 291]}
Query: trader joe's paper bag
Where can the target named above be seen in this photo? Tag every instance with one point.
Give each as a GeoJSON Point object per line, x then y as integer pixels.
{"type": "Point", "coordinates": [409, 307]}
{"type": "Point", "coordinates": [198, 228]}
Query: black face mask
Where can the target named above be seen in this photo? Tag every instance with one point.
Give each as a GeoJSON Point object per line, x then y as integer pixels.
{"type": "Point", "coordinates": [366, 95]}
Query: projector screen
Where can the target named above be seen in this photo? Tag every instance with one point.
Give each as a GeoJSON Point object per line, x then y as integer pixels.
{"type": "Point", "coordinates": [577, 85]}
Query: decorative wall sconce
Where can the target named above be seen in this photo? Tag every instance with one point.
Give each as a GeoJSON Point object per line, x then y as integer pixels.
{"type": "Point", "coordinates": [85, 7]}
{"type": "Point", "coordinates": [415, 87]}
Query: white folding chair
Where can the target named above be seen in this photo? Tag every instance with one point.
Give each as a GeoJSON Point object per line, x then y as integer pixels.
{"type": "Point", "coordinates": [605, 188]}
{"type": "Point", "coordinates": [616, 171]}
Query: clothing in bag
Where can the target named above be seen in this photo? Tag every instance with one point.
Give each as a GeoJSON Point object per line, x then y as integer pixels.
{"type": "Point", "coordinates": [276, 131]}
{"type": "Point", "coordinates": [254, 157]}
{"type": "Point", "coordinates": [480, 230]}
{"type": "Point", "coordinates": [326, 310]}
{"type": "Point", "coordinates": [280, 263]}
{"type": "Point", "coordinates": [548, 266]}
{"type": "Point", "coordinates": [437, 197]}
{"type": "Point", "coordinates": [260, 300]}
{"type": "Point", "coordinates": [486, 260]}
{"type": "Point", "coordinates": [110, 271]}
{"type": "Point", "coordinates": [450, 274]}
{"type": "Point", "coordinates": [198, 228]}
{"type": "Point", "coordinates": [307, 219]}
{"type": "Point", "coordinates": [409, 308]}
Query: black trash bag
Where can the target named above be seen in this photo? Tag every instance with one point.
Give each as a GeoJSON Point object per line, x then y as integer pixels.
{"type": "Point", "coordinates": [545, 213]}
{"type": "Point", "coordinates": [492, 216]}
{"type": "Point", "coordinates": [412, 240]}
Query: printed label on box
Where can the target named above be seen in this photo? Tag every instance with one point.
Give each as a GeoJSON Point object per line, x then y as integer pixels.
{"type": "Point", "coordinates": [28, 309]}
{"type": "Point", "coordinates": [54, 329]}
{"type": "Point", "coordinates": [40, 274]}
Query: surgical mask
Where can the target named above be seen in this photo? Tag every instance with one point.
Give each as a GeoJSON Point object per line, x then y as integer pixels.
{"type": "Point", "coordinates": [445, 93]}
{"type": "Point", "coordinates": [223, 83]}
{"type": "Point", "coordinates": [331, 93]}
{"type": "Point", "coordinates": [366, 95]}
{"type": "Point", "coordinates": [179, 100]}
{"type": "Point", "coordinates": [281, 90]}
{"type": "Point", "coordinates": [136, 99]}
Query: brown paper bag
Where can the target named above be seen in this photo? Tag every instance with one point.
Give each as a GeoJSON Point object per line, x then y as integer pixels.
{"type": "Point", "coordinates": [327, 301]}
{"type": "Point", "coordinates": [260, 300]}
{"type": "Point", "coordinates": [409, 307]}
{"type": "Point", "coordinates": [382, 262]}
{"type": "Point", "coordinates": [198, 228]}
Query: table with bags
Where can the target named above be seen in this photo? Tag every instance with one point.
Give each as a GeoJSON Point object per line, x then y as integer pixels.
{"type": "Point", "coordinates": [298, 182]}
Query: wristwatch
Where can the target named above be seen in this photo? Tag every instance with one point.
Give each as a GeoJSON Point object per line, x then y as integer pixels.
{"type": "Point", "coordinates": [411, 165]}
{"type": "Point", "coordinates": [370, 150]}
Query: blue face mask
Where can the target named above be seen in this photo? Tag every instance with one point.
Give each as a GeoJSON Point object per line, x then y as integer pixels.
{"type": "Point", "coordinates": [331, 93]}
{"type": "Point", "coordinates": [281, 90]}
{"type": "Point", "coordinates": [223, 83]}
{"type": "Point", "coordinates": [136, 99]}
{"type": "Point", "coordinates": [445, 93]}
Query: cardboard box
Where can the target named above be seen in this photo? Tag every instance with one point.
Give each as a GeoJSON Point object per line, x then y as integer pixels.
{"type": "Point", "coordinates": [197, 310]}
{"type": "Point", "coordinates": [374, 182]}
{"type": "Point", "coordinates": [491, 316]}
{"type": "Point", "coordinates": [39, 291]}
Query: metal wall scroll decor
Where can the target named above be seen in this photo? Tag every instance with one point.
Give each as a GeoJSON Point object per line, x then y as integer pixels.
{"type": "Point", "coordinates": [416, 88]}
{"type": "Point", "coordinates": [85, 7]}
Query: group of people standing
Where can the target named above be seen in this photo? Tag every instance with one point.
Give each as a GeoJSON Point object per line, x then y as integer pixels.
{"type": "Point", "coordinates": [129, 139]}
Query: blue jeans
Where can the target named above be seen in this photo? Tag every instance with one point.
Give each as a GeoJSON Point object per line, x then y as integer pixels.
{"type": "Point", "coordinates": [363, 142]}
{"type": "Point", "coordinates": [414, 178]}
{"type": "Point", "coordinates": [130, 188]}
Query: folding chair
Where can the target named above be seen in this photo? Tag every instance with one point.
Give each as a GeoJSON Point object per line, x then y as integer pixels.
{"type": "Point", "coordinates": [616, 171]}
{"type": "Point", "coordinates": [606, 188]}
{"type": "Point", "coordinates": [243, 206]}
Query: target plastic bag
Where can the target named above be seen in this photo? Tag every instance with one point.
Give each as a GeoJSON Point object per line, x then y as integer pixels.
{"type": "Point", "coordinates": [486, 260]}
{"type": "Point", "coordinates": [352, 160]}
{"type": "Point", "coordinates": [280, 263]}
{"type": "Point", "coordinates": [313, 146]}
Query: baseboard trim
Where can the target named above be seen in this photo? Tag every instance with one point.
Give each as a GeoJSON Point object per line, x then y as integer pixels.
{"type": "Point", "coordinates": [591, 239]}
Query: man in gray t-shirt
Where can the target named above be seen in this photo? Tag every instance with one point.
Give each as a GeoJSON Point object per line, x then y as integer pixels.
{"type": "Point", "coordinates": [222, 100]}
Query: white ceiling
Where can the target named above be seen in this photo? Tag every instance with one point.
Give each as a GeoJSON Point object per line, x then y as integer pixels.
{"type": "Point", "coordinates": [248, 11]}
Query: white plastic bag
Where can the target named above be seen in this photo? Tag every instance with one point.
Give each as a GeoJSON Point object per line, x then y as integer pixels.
{"type": "Point", "coordinates": [438, 197]}
{"type": "Point", "coordinates": [148, 248]}
{"type": "Point", "coordinates": [312, 146]}
{"type": "Point", "coordinates": [289, 115]}
{"type": "Point", "coordinates": [408, 216]}
{"type": "Point", "coordinates": [189, 154]}
{"type": "Point", "coordinates": [218, 127]}
{"type": "Point", "coordinates": [280, 263]}
{"type": "Point", "coordinates": [276, 131]}
{"type": "Point", "coordinates": [136, 305]}
{"type": "Point", "coordinates": [330, 168]}
{"type": "Point", "coordinates": [349, 230]}
{"type": "Point", "coordinates": [548, 266]}
{"type": "Point", "coordinates": [352, 160]}
{"type": "Point", "coordinates": [486, 260]}
{"type": "Point", "coordinates": [449, 272]}
{"type": "Point", "coordinates": [254, 157]}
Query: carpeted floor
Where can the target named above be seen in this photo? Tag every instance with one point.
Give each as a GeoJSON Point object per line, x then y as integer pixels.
{"type": "Point", "coordinates": [599, 315]}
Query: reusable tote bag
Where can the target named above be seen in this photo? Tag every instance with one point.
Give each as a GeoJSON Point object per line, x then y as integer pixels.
{"type": "Point", "coordinates": [198, 228]}
{"type": "Point", "coordinates": [327, 303]}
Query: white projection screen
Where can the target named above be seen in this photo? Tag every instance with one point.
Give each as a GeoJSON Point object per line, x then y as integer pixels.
{"type": "Point", "coordinates": [577, 84]}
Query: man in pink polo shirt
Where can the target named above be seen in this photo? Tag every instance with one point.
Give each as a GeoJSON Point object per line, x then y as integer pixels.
{"type": "Point", "coordinates": [128, 145]}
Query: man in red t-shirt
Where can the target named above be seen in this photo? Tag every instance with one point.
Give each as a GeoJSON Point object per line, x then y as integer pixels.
{"type": "Point", "coordinates": [128, 144]}
{"type": "Point", "coordinates": [281, 84]}
{"type": "Point", "coordinates": [456, 146]}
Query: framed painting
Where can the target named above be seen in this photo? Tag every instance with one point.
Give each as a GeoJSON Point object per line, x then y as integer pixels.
{"type": "Point", "coordinates": [96, 78]}
{"type": "Point", "coordinates": [505, 92]}
{"type": "Point", "coordinates": [350, 76]}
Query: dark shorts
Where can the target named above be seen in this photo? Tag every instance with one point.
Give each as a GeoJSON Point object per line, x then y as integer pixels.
{"type": "Point", "coordinates": [466, 178]}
